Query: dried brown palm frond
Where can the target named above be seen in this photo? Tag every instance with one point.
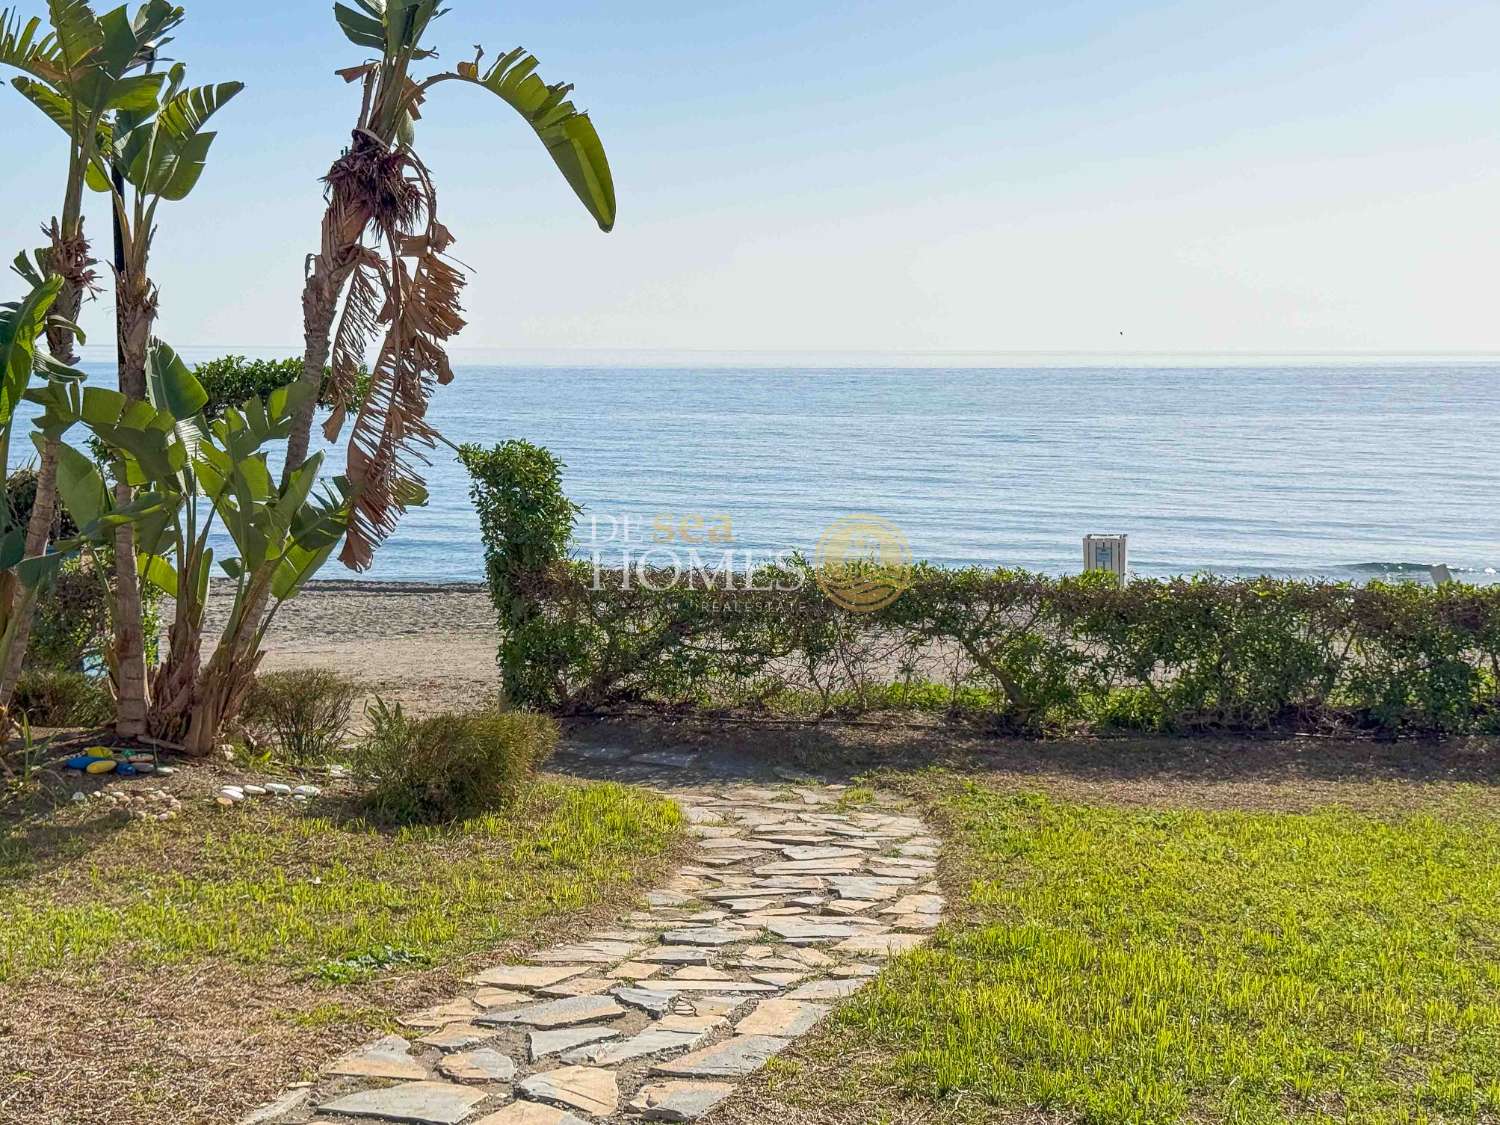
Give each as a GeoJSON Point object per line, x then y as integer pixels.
{"type": "Point", "coordinates": [391, 436]}
{"type": "Point", "coordinates": [358, 323]}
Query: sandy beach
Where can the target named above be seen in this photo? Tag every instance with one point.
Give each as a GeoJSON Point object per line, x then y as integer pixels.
{"type": "Point", "coordinates": [430, 646]}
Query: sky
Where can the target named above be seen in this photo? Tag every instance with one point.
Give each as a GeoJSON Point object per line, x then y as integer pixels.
{"type": "Point", "coordinates": [876, 176]}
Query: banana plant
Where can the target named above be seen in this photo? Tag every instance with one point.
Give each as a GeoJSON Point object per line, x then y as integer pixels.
{"type": "Point", "coordinates": [77, 69]}
{"type": "Point", "coordinates": [160, 151]}
{"type": "Point", "coordinates": [382, 263]}
{"type": "Point", "coordinates": [21, 325]}
{"type": "Point", "coordinates": [204, 474]}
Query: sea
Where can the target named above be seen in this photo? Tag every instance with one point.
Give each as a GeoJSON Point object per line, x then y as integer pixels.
{"type": "Point", "coordinates": [1348, 468]}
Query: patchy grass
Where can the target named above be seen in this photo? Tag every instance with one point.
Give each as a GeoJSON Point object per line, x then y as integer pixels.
{"type": "Point", "coordinates": [261, 884]}
{"type": "Point", "coordinates": [1116, 963]}
{"type": "Point", "coordinates": [189, 970]}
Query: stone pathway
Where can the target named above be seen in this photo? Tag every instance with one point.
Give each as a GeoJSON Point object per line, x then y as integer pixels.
{"type": "Point", "coordinates": [792, 901]}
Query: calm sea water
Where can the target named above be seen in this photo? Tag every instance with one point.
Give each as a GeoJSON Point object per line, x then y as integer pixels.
{"type": "Point", "coordinates": [1344, 469]}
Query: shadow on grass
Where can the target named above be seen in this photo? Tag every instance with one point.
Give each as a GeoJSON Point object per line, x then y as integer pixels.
{"type": "Point", "coordinates": [27, 849]}
{"type": "Point", "coordinates": [766, 751]}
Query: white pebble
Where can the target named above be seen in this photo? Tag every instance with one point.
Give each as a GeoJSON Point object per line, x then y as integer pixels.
{"type": "Point", "coordinates": [278, 788]}
{"type": "Point", "coordinates": [307, 790]}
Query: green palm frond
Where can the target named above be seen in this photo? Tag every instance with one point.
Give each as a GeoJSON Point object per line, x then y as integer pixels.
{"type": "Point", "coordinates": [567, 133]}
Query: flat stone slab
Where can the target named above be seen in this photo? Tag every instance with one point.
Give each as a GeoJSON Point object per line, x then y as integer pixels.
{"type": "Point", "coordinates": [678, 1101]}
{"type": "Point", "coordinates": [557, 1013]}
{"type": "Point", "coordinates": [700, 972]}
{"type": "Point", "coordinates": [587, 953]}
{"type": "Point", "coordinates": [649, 1000]}
{"type": "Point", "coordinates": [810, 928]}
{"type": "Point", "coordinates": [543, 1043]}
{"type": "Point", "coordinates": [733, 1058]}
{"type": "Point", "coordinates": [457, 1036]}
{"type": "Point", "coordinates": [633, 970]}
{"type": "Point", "coordinates": [530, 1113]}
{"type": "Point", "coordinates": [812, 867]}
{"type": "Point", "coordinates": [529, 976]}
{"type": "Point", "coordinates": [803, 851]}
{"type": "Point", "coordinates": [881, 945]}
{"type": "Point", "coordinates": [680, 955]}
{"type": "Point", "coordinates": [844, 907]}
{"type": "Point", "coordinates": [586, 1088]}
{"type": "Point", "coordinates": [826, 990]}
{"type": "Point", "coordinates": [751, 905]}
{"type": "Point", "coordinates": [490, 997]}
{"type": "Point", "coordinates": [785, 1019]}
{"type": "Point", "coordinates": [867, 890]}
{"type": "Point", "coordinates": [483, 1065]}
{"type": "Point", "coordinates": [918, 921]}
{"type": "Point", "coordinates": [737, 844]}
{"type": "Point", "coordinates": [671, 987]}
{"type": "Point", "coordinates": [652, 1041]}
{"type": "Point", "coordinates": [454, 1011]}
{"type": "Point", "coordinates": [385, 1058]}
{"type": "Point", "coordinates": [916, 904]}
{"type": "Point", "coordinates": [702, 1023]}
{"type": "Point", "coordinates": [708, 935]}
{"type": "Point", "coordinates": [578, 986]}
{"type": "Point", "coordinates": [790, 884]}
{"type": "Point", "coordinates": [424, 1103]}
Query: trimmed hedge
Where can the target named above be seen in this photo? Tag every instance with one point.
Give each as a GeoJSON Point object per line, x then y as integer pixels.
{"type": "Point", "coordinates": [1007, 650]}
{"type": "Point", "coordinates": [231, 379]}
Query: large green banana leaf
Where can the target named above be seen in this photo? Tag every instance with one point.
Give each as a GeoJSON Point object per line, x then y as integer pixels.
{"type": "Point", "coordinates": [569, 136]}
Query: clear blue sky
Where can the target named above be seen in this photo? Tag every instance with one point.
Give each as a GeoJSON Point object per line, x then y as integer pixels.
{"type": "Point", "coordinates": [882, 175]}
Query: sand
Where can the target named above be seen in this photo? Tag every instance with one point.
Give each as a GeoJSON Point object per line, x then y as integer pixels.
{"type": "Point", "coordinates": [432, 647]}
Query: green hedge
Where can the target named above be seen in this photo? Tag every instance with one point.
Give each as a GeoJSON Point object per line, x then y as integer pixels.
{"type": "Point", "coordinates": [1007, 650]}
{"type": "Point", "coordinates": [231, 379]}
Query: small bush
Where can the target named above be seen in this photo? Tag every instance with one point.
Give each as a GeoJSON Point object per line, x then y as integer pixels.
{"type": "Point", "coordinates": [450, 766]}
{"type": "Point", "coordinates": [53, 697]}
{"type": "Point", "coordinates": [307, 711]}
{"type": "Point", "coordinates": [20, 496]}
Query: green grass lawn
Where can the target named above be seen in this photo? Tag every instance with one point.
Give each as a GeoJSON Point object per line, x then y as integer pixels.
{"type": "Point", "coordinates": [268, 884]}
{"type": "Point", "coordinates": [1126, 964]}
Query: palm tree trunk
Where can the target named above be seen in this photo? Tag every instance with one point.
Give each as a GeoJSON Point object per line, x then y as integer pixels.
{"type": "Point", "coordinates": [135, 313]}
{"type": "Point", "coordinates": [319, 303]}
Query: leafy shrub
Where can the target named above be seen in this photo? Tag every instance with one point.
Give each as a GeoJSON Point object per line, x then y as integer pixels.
{"type": "Point", "coordinates": [525, 520]}
{"type": "Point", "coordinates": [308, 712]}
{"type": "Point", "coordinates": [20, 495]}
{"type": "Point", "coordinates": [231, 379]}
{"type": "Point", "coordinates": [70, 628]}
{"type": "Point", "coordinates": [53, 697]}
{"type": "Point", "coordinates": [451, 766]}
{"type": "Point", "coordinates": [1003, 649]}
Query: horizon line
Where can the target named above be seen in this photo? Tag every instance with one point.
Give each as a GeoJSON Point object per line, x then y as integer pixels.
{"type": "Point", "coordinates": [1354, 353]}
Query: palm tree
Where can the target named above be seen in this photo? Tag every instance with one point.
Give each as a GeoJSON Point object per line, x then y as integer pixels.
{"type": "Point", "coordinates": [381, 260]}
{"type": "Point", "coordinates": [81, 70]}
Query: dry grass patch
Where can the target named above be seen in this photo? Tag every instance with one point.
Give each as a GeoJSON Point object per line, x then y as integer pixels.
{"type": "Point", "coordinates": [186, 970]}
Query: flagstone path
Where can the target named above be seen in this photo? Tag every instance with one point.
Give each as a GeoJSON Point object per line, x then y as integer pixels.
{"type": "Point", "coordinates": [793, 899]}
